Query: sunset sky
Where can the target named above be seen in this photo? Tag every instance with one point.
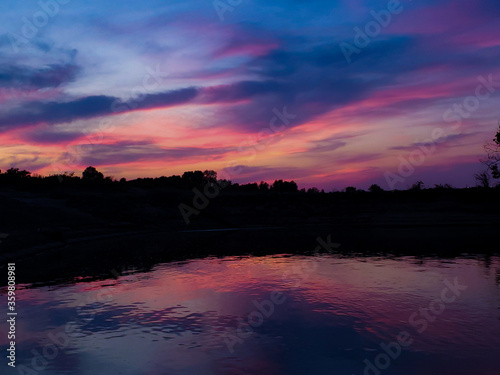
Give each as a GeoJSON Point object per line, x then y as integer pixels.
{"type": "Point", "coordinates": [151, 88]}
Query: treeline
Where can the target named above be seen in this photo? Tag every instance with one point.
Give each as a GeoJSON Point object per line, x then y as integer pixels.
{"type": "Point", "coordinates": [187, 181]}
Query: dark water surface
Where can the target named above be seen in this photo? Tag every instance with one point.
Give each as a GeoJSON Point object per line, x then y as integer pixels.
{"type": "Point", "coordinates": [267, 315]}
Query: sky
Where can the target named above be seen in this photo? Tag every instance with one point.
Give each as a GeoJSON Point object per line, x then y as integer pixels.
{"type": "Point", "coordinates": [326, 93]}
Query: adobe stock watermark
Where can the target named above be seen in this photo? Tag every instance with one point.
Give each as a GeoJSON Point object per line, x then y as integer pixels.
{"type": "Point", "coordinates": [372, 29]}
{"type": "Point", "coordinates": [459, 111]}
{"type": "Point", "coordinates": [419, 321]}
{"type": "Point", "coordinates": [153, 78]}
{"type": "Point", "coordinates": [223, 6]}
{"type": "Point", "coordinates": [57, 341]}
{"type": "Point", "coordinates": [266, 308]}
{"type": "Point", "coordinates": [32, 26]}
{"type": "Point", "coordinates": [201, 199]}
{"type": "Point", "coordinates": [455, 114]}
{"type": "Point", "coordinates": [300, 272]}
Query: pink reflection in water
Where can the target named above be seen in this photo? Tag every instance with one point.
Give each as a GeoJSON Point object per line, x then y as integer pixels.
{"type": "Point", "coordinates": [333, 313]}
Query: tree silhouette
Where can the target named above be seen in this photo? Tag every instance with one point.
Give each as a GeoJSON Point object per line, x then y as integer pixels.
{"type": "Point", "coordinates": [375, 188]}
{"type": "Point", "coordinates": [193, 178]}
{"type": "Point", "coordinates": [493, 155]}
{"type": "Point", "coordinates": [252, 187]}
{"type": "Point", "coordinates": [263, 186]}
{"type": "Point", "coordinates": [16, 173]}
{"type": "Point", "coordinates": [483, 178]}
{"type": "Point", "coordinates": [210, 175]}
{"type": "Point", "coordinates": [92, 174]}
{"type": "Point", "coordinates": [285, 186]}
{"type": "Point", "coordinates": [419, 185]}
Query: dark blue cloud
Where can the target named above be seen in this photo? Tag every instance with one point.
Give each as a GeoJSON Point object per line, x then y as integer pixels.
{"type": "Point", "coordinates": [447, 141]}
{"type": "Point", "coordinates": [55, 112]}
{"type": "Point", "coordinates": [49, 136]}
{"type": "Point", "coordinates": [133, 151]}
{"type": "Point", "coordinates": [23, 77]}
{"type": "Point", "coordinates": [89, 107]}
{"type": "Point", "coordinates": [248, 174]}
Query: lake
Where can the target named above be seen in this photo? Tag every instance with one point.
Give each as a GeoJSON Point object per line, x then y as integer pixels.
{"type": "Point", "coordinates": [281, 314]}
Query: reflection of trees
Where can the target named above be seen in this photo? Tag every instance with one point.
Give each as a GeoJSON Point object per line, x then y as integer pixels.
{"type": "Point", "coordinates": [487, 261]}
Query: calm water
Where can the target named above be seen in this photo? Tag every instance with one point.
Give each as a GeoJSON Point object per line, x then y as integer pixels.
{"type": "Point", "coordinates": [268, 315]}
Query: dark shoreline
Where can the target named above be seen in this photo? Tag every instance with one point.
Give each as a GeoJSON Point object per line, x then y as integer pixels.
{"type": "Point", "coordinates": [63, 233]}
{"type": "Point", "coordinates": [103, 256]}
